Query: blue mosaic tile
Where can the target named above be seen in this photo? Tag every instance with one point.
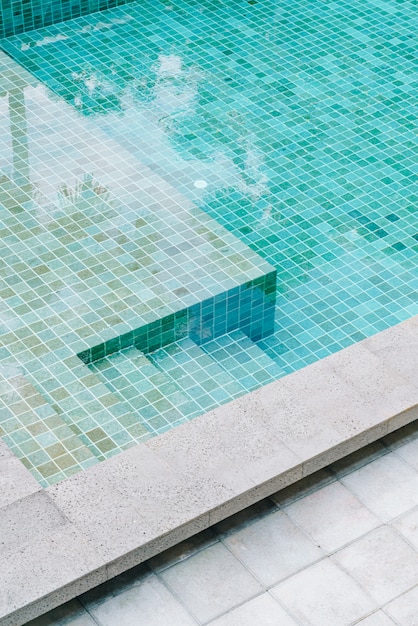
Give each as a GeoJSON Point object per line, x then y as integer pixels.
{"type": "Point", "coordinates": [18, 16]}
{"type": "Point", "coordinates": [292, 126]}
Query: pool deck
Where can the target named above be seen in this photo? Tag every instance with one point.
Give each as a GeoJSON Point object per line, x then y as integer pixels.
{"type": "Point", "coordinates": [62, 541]}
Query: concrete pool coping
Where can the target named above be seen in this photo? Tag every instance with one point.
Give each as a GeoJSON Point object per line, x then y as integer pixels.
{"type": "Point", "coordinates": [64, 540]}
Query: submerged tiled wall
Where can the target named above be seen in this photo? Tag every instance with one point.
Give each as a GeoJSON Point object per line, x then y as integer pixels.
{"type": "Point", "coordinates": [249, 307]}
{"type": "Point", "coordinates": [18, 16]}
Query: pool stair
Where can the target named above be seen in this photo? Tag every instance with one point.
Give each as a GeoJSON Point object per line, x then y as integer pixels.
{"type": "Point", "coordinates": [148, 393]}
{"type": "Point", "coordinates": [183, 379]}
{"type": "Point", "coordinates": [118, 258]}
{"type": "Point", "coordinates": [242, 358]}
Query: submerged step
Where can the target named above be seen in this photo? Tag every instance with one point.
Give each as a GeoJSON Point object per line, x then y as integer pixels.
{"type": "Point", "coordinates": [193, 370]}
{"type": "Point", "coordinates": [236, 354]}
{"type": "Point", "coordinates": [176, 383]}
{"type": "Point", "coordinates": [151, 396]}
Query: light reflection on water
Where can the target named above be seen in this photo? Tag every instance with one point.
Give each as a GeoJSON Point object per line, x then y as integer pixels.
{"type": "Point", "coordinates": [153, 118]}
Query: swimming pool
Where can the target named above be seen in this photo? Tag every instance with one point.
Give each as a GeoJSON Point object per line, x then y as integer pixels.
{"type": "Point", "coordinates": [292, 126]}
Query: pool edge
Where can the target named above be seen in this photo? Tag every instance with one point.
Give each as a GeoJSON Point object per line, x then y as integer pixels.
{"type": "Point", "coordinates": [99, 523]}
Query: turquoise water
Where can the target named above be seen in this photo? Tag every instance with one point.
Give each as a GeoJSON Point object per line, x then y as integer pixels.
{"type": "Point", "coordinates": [293, 124]}
{"type": "Point", "coordinates": [299, 121]}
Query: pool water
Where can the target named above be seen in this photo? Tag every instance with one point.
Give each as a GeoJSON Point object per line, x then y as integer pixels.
{"type": "Point", "coordinates": [291, 125]}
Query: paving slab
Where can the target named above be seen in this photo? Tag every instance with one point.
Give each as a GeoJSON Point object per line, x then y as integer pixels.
{"type": "Point", "coordinates": [398, 349]}
{"type": "Point", "coordinates": [16, 481]}
{"type": "Point", "coordinates": [149, 604]}
{"type": "Point", "coordinates": [211, 582]}
{"type": "Point", "coordinates": [273, 548]}
{"type": "Point", "coordinates": [407, 526]}
{"type": "Point", "coordinates": [183, 550]}
{"type": "Point", "coordinates": [387, 486]}
{"type": "Point", "coordinates": [404, 609]}
{"type": "Point", "coordinates": [332, 516]}
{"type": "Point", "coordinates": [409, 453]}
{"type": "Point", "coordinates": [342, 600]}
{"type": "Point", "coordinates": [27, 520]}
{"type": "Point", "coordinates": [263, 611]}
{"type": "Point", "coordinates": [382, 563]}
{"type": "Point", "coordinates": [377, 619]}
{"type": "Point", "coordinates": [70, 614]}
{"type": "Point", "coordinates": [63, 559]}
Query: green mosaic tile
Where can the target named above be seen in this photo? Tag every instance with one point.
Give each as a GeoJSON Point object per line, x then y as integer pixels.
{"type": "Point", "coordinates": [49, 446]}
{"type": "Point", "coordinates": [147, 392]}
{"type": "Point", "coordinates": [17, 16]}
{"type": "Point", "coordinates": [292, 126]}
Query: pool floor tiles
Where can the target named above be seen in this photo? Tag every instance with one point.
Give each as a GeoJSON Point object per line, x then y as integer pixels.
{"type": "Point", "coordinates": [117, 192]}
{"type": "Point", "coordinates": [183, 380]}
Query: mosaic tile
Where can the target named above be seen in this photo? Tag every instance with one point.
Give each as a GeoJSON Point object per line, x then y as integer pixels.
{"type": "Point", "coordinates": [146, 391]}
{"type": "Point", "coordinates": [36, 433]}
{"type": "Point", "coordinates": [17, 16]}
{"type": "Point", "coordinates": [298, 126]}
{"type": "Point", "coordinates": [137, 138]}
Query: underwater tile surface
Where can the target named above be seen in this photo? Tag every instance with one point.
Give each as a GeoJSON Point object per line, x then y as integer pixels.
{"type": "Point", "coordinates": [292, 125]}
{"type": "Point", "coordinates": [96, 251]}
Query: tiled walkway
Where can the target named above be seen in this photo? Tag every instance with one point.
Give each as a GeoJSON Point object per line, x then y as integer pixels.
{"type": "Point", "coordinates": [337, 549]}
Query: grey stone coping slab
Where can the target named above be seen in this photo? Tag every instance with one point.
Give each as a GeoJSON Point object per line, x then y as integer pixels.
{"type": "Point", "coordinates": [59, 542]}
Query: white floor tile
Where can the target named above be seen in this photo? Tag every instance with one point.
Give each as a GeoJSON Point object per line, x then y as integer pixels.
{"type": "Point", "coordinates": [387, 486]}
{"type": "Point", "coordinates": [245, 518]}
{"type": "Point", "coordinates": [183, 550]}
{"type": "Point", "coordinates": [133, 577]}
{"type": "Point", "coordinates": [377, 619]}
{"type": "Point", "coordinates": [405, 609]}
{"type": "Point", "coordinates": [261, 611]}
{"type": "Point", "coordinates": [211, 582]}
{"type": "Point", "coordinates": [149, 604]}
{"type": "Point", "coordinates": [358, 459]}
{"type": "Point", "coordinates": [273, 548]}
{"type": "Point", "coordinates": [382, 562]}
{"type": "Point", "coordinates": [409, 452]}
{"type": "Point", "coordinates": [302, 487]}
{"type": "Point", "coordinates": [332, 516]}
{"type": "Point", "coordinates": [323, 595]}
{"type": "Point", "coordinates": [407, 525]}
{"type": "Point", "coordinates": [402, 436]}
